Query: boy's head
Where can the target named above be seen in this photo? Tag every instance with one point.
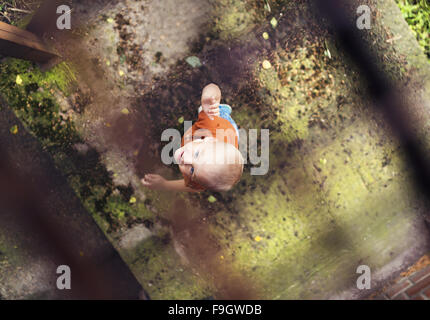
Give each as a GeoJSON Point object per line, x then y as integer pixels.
{"type": "Point", "coordinates": [213, 164]}
{"type": "Point", "coordinates": [211, 94]}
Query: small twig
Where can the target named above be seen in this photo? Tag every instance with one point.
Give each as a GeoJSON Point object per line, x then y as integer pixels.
{"type": "Point", "coordinates": [4, 15]}
{"type": "Point", "coordinates": [20, 10]}
{"type": "Point", "coordinates": [393, 39]}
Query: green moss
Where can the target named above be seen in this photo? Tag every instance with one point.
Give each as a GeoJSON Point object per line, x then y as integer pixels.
{"type": "Point", "coordinates": [117, 207]}
{"type": "Point", "coordinates": [24, 21]}
{"type": "Point", "coordinates": [417, 15]}
{"type": "Point", "coordinates": [158, 268]}
{"type": "Point", "coordinates": [121, 209]}
{"type": "Point", "coordinates": [294, 85]}
{"type": "Point", "coordinates": [61, 76]}
{"type": "Point", "coordinates": [30, 93]}
{"type": "Point", "coordinates": [234, 18]}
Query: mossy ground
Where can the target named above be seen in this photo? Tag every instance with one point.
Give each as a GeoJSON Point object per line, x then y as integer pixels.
{"type": "Point", "coordinates": [33, 96]}
{"type": "Point", "coordinates": [337, 194]}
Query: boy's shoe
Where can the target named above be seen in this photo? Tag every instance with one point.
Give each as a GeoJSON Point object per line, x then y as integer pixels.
{"type": "Point", "coordinates": [226, 106]}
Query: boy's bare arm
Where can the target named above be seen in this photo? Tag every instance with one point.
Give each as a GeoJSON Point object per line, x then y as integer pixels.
{"type": "Point", "coordinates": [211, 107]}
{"type": "Point", "coordinates": [157, 182]}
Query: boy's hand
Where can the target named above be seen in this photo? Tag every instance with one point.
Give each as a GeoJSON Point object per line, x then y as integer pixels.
{"type": "Point", "coordinates": [154, 181]}
{"type": "Point", "coordinates": [211, 107]}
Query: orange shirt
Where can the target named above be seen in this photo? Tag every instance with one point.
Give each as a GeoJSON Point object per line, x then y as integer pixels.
{"type": "Point", "coordinates": [205, 127]}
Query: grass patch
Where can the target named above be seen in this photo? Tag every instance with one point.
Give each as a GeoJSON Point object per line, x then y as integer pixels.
{"type": "Point", "coordinates": [30, 93]}
{"type": "Point", "coordinates": [417, 15]}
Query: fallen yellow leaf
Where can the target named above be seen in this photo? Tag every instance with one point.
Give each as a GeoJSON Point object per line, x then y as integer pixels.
{"type": "Point", "coordinates": [18, 80]}
{"type": "Point", "coordinates": [266, 64]}
{"type": "Point", "coordinates": [14, 129]}
{"type": "Point", "coordinates": [274, 22]}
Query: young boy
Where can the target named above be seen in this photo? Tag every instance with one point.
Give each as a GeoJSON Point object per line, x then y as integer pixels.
{"type": "Point", "coordinates": [209, 158]}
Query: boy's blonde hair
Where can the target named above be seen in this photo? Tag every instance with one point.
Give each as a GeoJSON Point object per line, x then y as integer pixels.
{"type": "Point", "coordinates": [222, 177]}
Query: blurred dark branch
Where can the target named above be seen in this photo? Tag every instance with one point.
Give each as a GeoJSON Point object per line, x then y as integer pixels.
{"type": "Point", "coordinates": [381, 89]}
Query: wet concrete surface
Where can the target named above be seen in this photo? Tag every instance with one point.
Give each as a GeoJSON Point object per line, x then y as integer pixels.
{"type": "Point", "coordinates": [338, 193]}
{"type": "Point", "coordinates": [44, 225]}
